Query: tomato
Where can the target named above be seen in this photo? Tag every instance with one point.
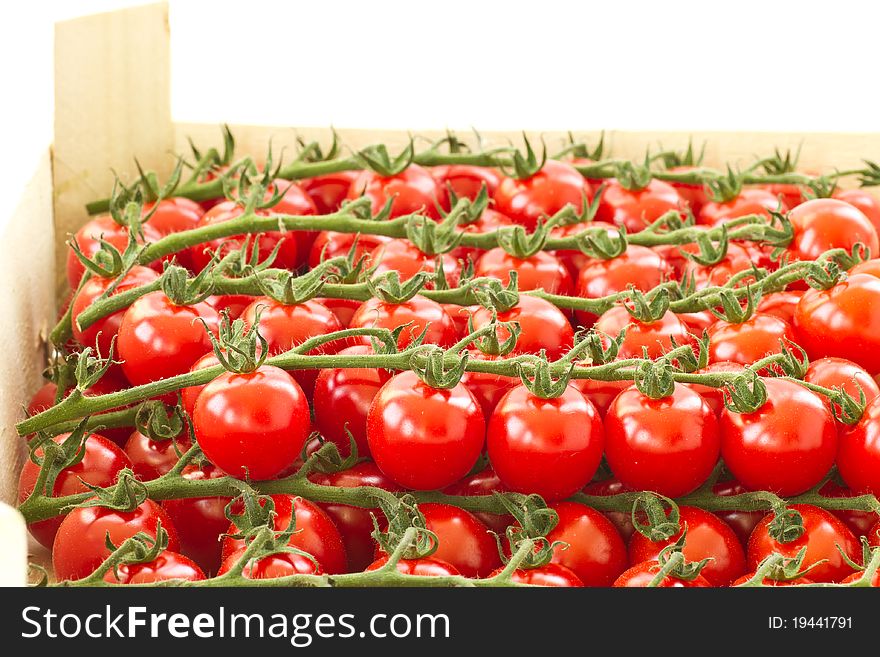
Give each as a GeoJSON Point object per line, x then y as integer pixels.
{"type": "Point", "coordinates": [596, 552]}
{"type": "Point", "coordinates": [743, 523]}
{"type": "Point", "coordinates": [749, 341]}
{"type": "Point", "coordinates": [158, 339]}
{"type": "Point", "coordinates": [342, 400]}
{"type": "Point", "coordinates": [254, 424]}
{"type": "Point", "coordinates": [749, 201]}
{"type": "Point", "coordinates": [575, 259]}
{"type": "Point", "coordinates": [636, 209]}
{"type": "Point", "coordinates": [190, 394]}
{"type": "Point", "coordinates": [551, 189]}
{"type": "Point", "coordinates": [87, 238]}
{"type": "Point", "coordinates": [843, 321]}
{"type": "Point", "coordinates": [539, 271]}
{"type": "Point", "coordinates": [697, 322]}
{"type": "Point", "coordinates": [871, 267]}
{"type": "Point", "coordinates": [329, 244]}
{"type": "Point", "coordinates": [168, 565]}
{"type": "Point", "coordinates": [542, 326]}
{"type": "Point", "coordinates": [638, 266]}
{"type": "Point", "coordinates": [821, 224]}
{"type": "Point", "coordinates": [460, 316]}
{"type": "Point", "coordinates": [864, 201]}
{"type": "Point", "coordinates": [840, 373]}
{"type": "Point", "coordinates": [344, 309]}
{"type": "Point", "coordinates": [462, 540]}
{"type": "Point", "coordinates": [859, 522]}
{"type": "Point", "coordinates": [173, 215]}
{"type": "Point", "coordinates": [101, 462]}
{"type": "Point", "coordinates": [708, 537]}
{"type": "Point", "coordinates": [200, 521]}
{"type": "Point", "coordinates": [150, 459]}
{"type": "Point", "coordinates": [787, 446]}
{"type": "Point", "coordinates": [488, 389]}
{"type": "Point", "coordinates": [421, 437]}
{"type": "Point", "coordinates": [413, 190]}
{"type": "Point", "coordinates": [875, 581]}
{"type": "Point", "coordinates": [233, 304]}
{"type": "Point", "coordinates": [551, 574]}
{"type": "Point", "coordinates": [781, 304]}
{"type": "Point", "coordinates": [656, 337]}
{"type": "Point", "coordinates": [667, 445]}
{"type": "Point", "coordinates": [641, 575]}
{"type": "Point", "coordinates": [419, 313]}
{"type": "Point", "coordinates": [551, 447]}
{"type": "Point", "coordinates": [736, 260]}
{"type": "Point", "coordinates": [280, 564]}
{"type": "Point", "coordinates": [465, 181]}
{"type": "Point", "coordinates": [485, 482]}
{"type": "Point", "coordinates": [825, 537]}
{"type": "Point", "coordinates": [858, 459]}
{"type": "Point", "coordinates": [80, 544]}
{"type": "Point", "coordinates": [694, 196]}
{"type": "Point", "coordinates": [622, 520]}
{"type": "Point", "coordinates": [714, 396]}
{"type": "Point", "coordinates": [330, 190]}
{"type": "Point", "coordinates": [487, 222]}
{"type": "Point", "coordinates": [287, 326]}
{"type": "Point", "coordinates": [422, 567]}
{"type": "Point", "coordinates": [355, 524]}
{"type": "Point", "coordinates": [404, 257]}
{"type": "Point", "coordinates": [315, 533]}
{"type": "Point", "coordinates": [600, 393]}
{"type": "Point", "coordinates": [773, 582]}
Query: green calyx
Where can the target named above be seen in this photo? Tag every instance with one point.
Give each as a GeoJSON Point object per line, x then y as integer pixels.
{"type": "Point", "coordinates": [432, 365]}
{"type": "Point", "coordinates": [156, 421]}
{"type": "Point", "coordinates": [488, 343]}
{"type": "Point", "coordinates": [390, 289]}
{"type": "Point", "coordinates": [542, 379]}
{"type": "Point", "coordinates": [127, 494]}
{"type": "Point", "coordinates": [724, 188]}
{"type": "Point", "coordinates": [533, 520]}
{"type": "Point", "coordinates": [524, 166]}
{"type": "Point", "coordinates": [746, 394]}
{"type": "Point", "coordinates": [732, 309]}
{"type": "Point", "coordinates": [787, 525]}
{"type": "Point", "coordinates": [313, 152]}
{"type": "Point", "coordinates": [600, 348]}
{"type": "Point", "coordinates": [491, 294]}
{"type": "Point", "coordinates": [403, 515]}
{"type": "Point", "coordinates": [710, 252]}
{"type": "Point", "coordinates": [516, 241]}
{"type": "Point", "coordinates": [289, 289]}
{"type": "Point", "coordinates": [655, 379]}
{"type": "Point", "coordinates": [655, 516]}
{"type": "Point", "coordinates": [644, 308]}
{"type": "Point", "coordinates": [238, 347]}
{"type": "Point", "coordinates": [688, 157]}
{"type": "Point", "coordinates": [673, 564]}
{"type": "Point", "coordinates": [632, 176]}
{"type": "Point", "coordinates": [376, 158]}
{"type": "Point", "coordinates": [581, 149]}
{"type": "Point", "coordinates": [182, 290]}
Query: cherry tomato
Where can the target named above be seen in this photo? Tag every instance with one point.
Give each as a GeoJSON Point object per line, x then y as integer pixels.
{"type": "Point", "coordinates": [254, 424]}
{"type": "Point", "coordinates": [462, 540]}
{"type": "Point", "coordinates": [460, 316]}
{"type": "Point", "coordinates": [708, 537]}
{"type": "Point", "coordinates": [636, 209]}
{"type": "Point", "coordinates": [714, 396]}
{"type": "Point", "coordinates": [667, 445]}
{"type": "Point", "coordinates": [749, 341]}
{"type": "Point", "coordinates": [656, 337]}
{"type": "Point", "coordinates": [488, 389]}
{"type": "Point", "coordinates": [773, 582]}
{"type": "Point", "coordinates": [875, 581]}
{"type": "Point", "coordinates": [168, 565]}
{"type": "Point", "coordinates": [539, 271]}
{"type": "Point", "coordinates": [173, 215]}
{"type": "Point", "coordinates": [150, 459]}
{"type": "Point", "coordinates": [487, 222]}
{"type": "Point", "coordinates": [551, 189]}
{"type": "Point", "coordinates": [694, 195]}
{"type": "Point", "coordinates": [697, 322]}
{"type": "Point", "coordinates": [80, 544]}
{"type": "Point", "coordinates": [737, 259]}
{"type": "Point", "coordinates": [551, 574]}
{"type": "Point", "coordinates": [280, 564]}
{"type": "Point", "coordinates": [781, 304]}
{"type": "Point", "coordinates": [404, 257]}
{"type": "Point", "coordinates": [790, 195]}
{"type": "Point", "coordinates": [465, 181]}
{"type": "Point", "coordinates": [190, 394]}
{"type": "Point", "coordinates": [621, 520]}
{"type": "Point", "coordinates": [864, 201]}
{"type": "Point", "coordinates": [344, 309]}
{"type": "Point", "coordinates": [825, 537]}
{"type": "Point", "coordinates": [422, 567]}
{"type": "Point", "coordinates": [821, 224]}
{"type": "Point", "coordinates": [542, 326]}
{"type": "Point", "coordinates": [641, 575]}
{"type": "Point", "coordinates": [871, 267]}
{"type": "Point", "coordinates": [421, 437]}
{"type": "Point", "coordinates": [575, 259]}
{"type": "Point", "coordinates": [858, 459]}
{"type": "Point", "coordinates": [87, 238]}
{"type": "Point", "coordinates": [413, 190]}
{"type": "Point", "coordinates": [840, 373]}
{"type": "Point", "coordinates": [233, 304]}
{"type": "Point", "coordinates": [859, 522]}
{"type": "Point", "coordinates": [749, 201]}
{"type": "Point", "coordinates": [329, 190]}
{"type": "Point", "coordinates": [786, 446]}
{"type": "Point", "coordinates": [743, 523]}
{"type": "Point", "coordinates": [418, 313]}
{"type": "Point", "coordinates": [551, 447]}
{"type": "Point", "coordinates": [600, 393]}
{"type": "Point", "coordinates": [484, 482]}
{"type": "Point", "coordinates": [101, 462]}
{"type": "Point", "coordinates": [329, 244]}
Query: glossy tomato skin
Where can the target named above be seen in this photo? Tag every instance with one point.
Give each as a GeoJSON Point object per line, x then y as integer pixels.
{"type": "Point", "coordinates": [694, 196]}
{"type": "Point", "coordinates": [871, 267]}
{"type": "Point", "coordinates": [787, 446]}
{"type": "Point", "coordinates": [422, 567]}
{"type": "Point", "coordinates": [551, 574]}
{"type": "Point", "coordinates": [636, 209]}
{"type": "Point", "coordinates": [80, 547]}
{"type": "Point", "coordinates": [329, 190]}
{"type": "Point", "coordinates": [542, 326]}
{"type": "Point", "coordinates": [101, 462]}
{"type": "Point", "coordinates": [190, 394]}
{"type": "Point", "coordinates": [316, 533]}
{"type": "Point", "coordinates": [173, 215]}
{"type": "Point", "coordinates": [622, 520]}
{"type": "Point", "coordinates": [421, 437]}
{"type": "Point", "coordinates": [487, 222]}
{"type": "Point", "coordinates": [413, 190]}
{"type": "Point", "coordinates": [554, 187]}
{"type": "Point", "coordinates": [551, 447]}
{"type": "Point", "coordinates": [404, 257]}
{"type": "Point", "coordinates": [87, 238]}
{"type": "Point", "coordinates": [864, 201]}
{"type": "Point", "coordinates": [463, 540]}
{"type": "Point", "coordinates": [596, 552]}
{"type": "Point", "coordinates": [600, 393]}
{"type": "Point", "coordinates": [743, 523]}
{"type": "Point", "coordinates": [280, 564]}
{"type": "Point", "coordinates": [254, 424]}
{"type": "Point", "coordinates": [168, 565]}
{"type": "Point", "coordinates": [150, 459]}
{"type": "Point", "coordinates": [838, 372]}
{"type": "Point", "coordinates": [419, 312]}
{"type": "Point", "coordinates": [823, 535]}
{"type": "Point", "coordinates": [859, 522]}
{"type": "Point", "coordinates": [656, 337]}
{"type": "Point", "coordinates": [488, 389]}
{"type": "Point", "coordinates": [821, 224]}
{"type": "Point", "coordinates": [843, 321]}
{"type": "Point", "coordinates": [638, 266]}
{"type": "Point", "coordinates": [641, 575]}
{"type": "Point", "coordinates": [667, 445]}
{"type": "Point", "coordinates": [749, 201]}
{"type": "Point", "coordinates": [158, 339]}
{"type": "Point", "coordinates": [715, 396]}
{"type": "Point", "coordinates": [200, 521]}
{"type": "Point", "coordinates": [773, 582]}
{"type": "Point", "coordinates": [736, 260]}
{"type": "Point", "coordinates": [708, 537]}
{"type": "Point", "coordinates": [465, 181]}
{"type": "Point", "coordinates": [748, 341]}
{"type": "Point", "coordinates": [355, 524]}
{"type": "Point", "coordinates": [539, 271]}
{"type": "Point", "coordinates": [330, 244]}
{"type": "Point", "coordinates": [858, 458]}
{"type": "Point", "coordinates": [781, 304]}
{"type": "Point", "coordinates": [342, 400]}
{"type": "Point", "coordinates": [575, 259]}
{"type": "Point", "coordinates": [485, 482]}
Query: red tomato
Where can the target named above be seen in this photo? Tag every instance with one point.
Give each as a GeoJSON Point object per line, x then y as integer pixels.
{"type": "Point", "coordinates": [419, 313]}
{"type": "Point", "coordinates": [80, 544]}
{"type": "Point", "coordinates": [465, 181]}
{"type": "Point", "coordinates": [859, 522]}
{"type": "Point", "coordinates": [736, 260]}
{"type": "Point", "coordinates": [781, 304]}
{"type": "Point", "coordinates": [233, 304]}
{"type": "Point", "coordinates": [714, 396]}
{"type": "Point", "coordinates": [150, 459]}
{"type": "Point", "coordinates": [551, 574]}
{"type": "Point", "coordinates": [622, 520]}
{"type": "Point", "coordinates": [636, 209]}
{"type": "Point", "coordinates": [539, 271]}
{"type": "Point", "coordinates": [484, 482]}
{"type": "Point", "coordinates": [158, 339]}
{"type": "Point", "coordinates": [697, 322]}
{"type": "Point", "coordinates": [708, 537]}
{"type": "Point", "coordinates": [858, 459]}
{"type": "Point", "coordinates": [821, 224]}
{"type": "Point", "coordinates": [344, 309]}
{"type": "Point", "coordinates": [462, 540]}
{"type": "Point", "coordinates": [551, 447]}
{"type": "Point", "coordinates": [749, 201]}
{"type": "Point", "coordinates": [404, 257]}
{"type": "Point", "coordinates": [330, 190]}
{"type": "Point", "coordinates": [693, 195]}
{"type": "Point", "coordinates": [101, 227]}
{"type": "Point", "coordinates": [600, 393]}
{"type": "Point", "coordinates": [421, 437]}
{"type": "Point", "coordinates": [413, 190]}
{"type": "Point", "coordinates": [200, 521]}
{"type": "Point", "coordinates": [742, 522]}
{"type": "Point", "coordinates": [871, 267]}
{"type": "Point", "coordinates": [875, 581]}
{"type": "Point", "coordinates": [825, 537]}
{"type": "Point", "coordinates": [101, 462]}
{"type": "Point", "coordinates": [168, 565]}
{"type": "Point", "coordinates": [748, 341]}
{"type": "Point", "coordinates": [315, 533]}
{"type": "Point", "coordinates": [575, 259]}
{"type": "Point", "coordinates": [841, 373]}
{"type": "Point", "coordinates": [190, 394]}
{"type": "Point", "coordinates": [554, 187]}
{"type": "Point", "coordinates": [487, 222]}
{"type": "Point", "coordinates": [640, 575]}
{"type": "Point", "coordinates": [280, 564]}
{"type": "Point", "coordinates": [329, 244]}
{"type": "Point", "coordinates": [638, 266]}
{"type": "Point", "coordinates": [174, 215]}
{"type": "Point", "coordinates": [843, 321]}
{"type": "Point", "coordinates": [787, 446]}
{"type": "Point", "coordinates": [790, 195]}
{"type": "Point", "coordinates": [864, 201]}
{"type": "Point", "coordinates": [287, 326]}
{"type": "Point", "coordinates": [656, 337]}
{"type": "Point", "coordinates": [667, 445]}
{"type": "Point", "coordinates": [488, 389]}
{"type": "Point", "coordinates": [773, 582]}
{"type": "Point", "coordinates": [422, 567]}
{"type": "Point", "coordinates": [542, 326]}
{"type": "Point", "coordinates": [460, 316]}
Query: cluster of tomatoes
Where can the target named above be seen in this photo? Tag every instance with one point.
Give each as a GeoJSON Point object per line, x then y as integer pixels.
{"type": "Point", "coordinates": [254, 424]}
